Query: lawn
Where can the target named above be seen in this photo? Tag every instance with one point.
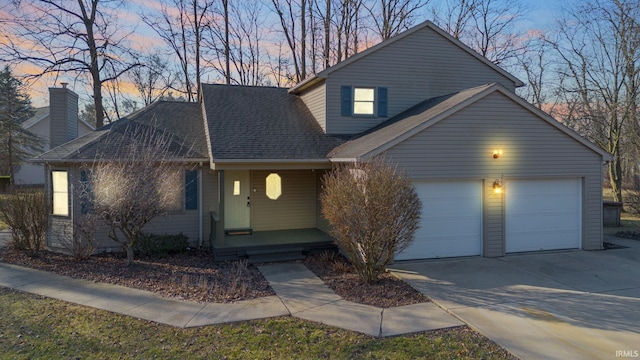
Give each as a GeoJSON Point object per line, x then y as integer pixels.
{"type": "Point", "coordinates": [37, 327]}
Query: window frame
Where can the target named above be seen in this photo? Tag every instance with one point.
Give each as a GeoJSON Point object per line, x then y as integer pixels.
{"type": "Point", "coordinates": [66, 191]}
{"type": "Point", "coordinates": [374, 102]}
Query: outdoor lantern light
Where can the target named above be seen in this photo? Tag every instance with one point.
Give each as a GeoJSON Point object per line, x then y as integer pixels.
{"type": "Point", "coordinates": [497, 186]}
{"type": "Point", "coordinates": [497, 153]}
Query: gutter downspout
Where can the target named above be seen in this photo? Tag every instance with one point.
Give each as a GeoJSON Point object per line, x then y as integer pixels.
{"type": "Point", "coordinates": [200, 223]}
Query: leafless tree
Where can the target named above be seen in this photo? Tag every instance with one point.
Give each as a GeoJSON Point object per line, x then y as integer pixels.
{"type": "Point", "coordinates": [287, 11]}
{"type": "Point", "coordinates": [153, 79]}
{"type": "Point", "coordinates": [455, 16]}
{"type": "Point", "coordinates": [133, 181]}
{"type": "Point", "coordinates": [78, 37]}
{"type": "Point", "coordinates": [599, 54]}
{"type": "Point", "coordinates": [373, 211]}
{"type": "Point", "coordinates": [391, 17]}
{"type": "Point", "coordinates": [180, 24]}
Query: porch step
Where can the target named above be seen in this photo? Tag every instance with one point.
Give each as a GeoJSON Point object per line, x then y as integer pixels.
{"type": "Point", "coordinates": [274, 255]}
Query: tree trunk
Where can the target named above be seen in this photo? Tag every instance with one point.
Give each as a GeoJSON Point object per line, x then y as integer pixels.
{"type": "Point", "coordinates": [615, 177]}
{"type": "Point", "coordinates": [129, 250]}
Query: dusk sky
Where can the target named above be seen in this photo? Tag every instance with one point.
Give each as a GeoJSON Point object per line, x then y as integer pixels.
{"type": "Point", "coordinates": [541, 15]}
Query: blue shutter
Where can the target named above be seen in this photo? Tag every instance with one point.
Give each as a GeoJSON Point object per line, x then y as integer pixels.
{"type": "Point", "coordinates": [382, 102]}
{"type": "Point", "coordinates": [86, 196]}
{"type": "Point", "coordinates": [346, 100]}
{"type": "Point", "coordinates": [191, 189]}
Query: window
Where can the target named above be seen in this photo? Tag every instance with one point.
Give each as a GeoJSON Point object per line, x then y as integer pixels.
{"type": "Point", "coordinates": [191, 189]}
{"type": "Point", "coordinates": [60, 191]}
{"type": "Point", "coordinates": [273, 186]}
{"type": "Point", "coordinates": [236, 187]}
{"type": "Point", "coordinates": [364, 101]}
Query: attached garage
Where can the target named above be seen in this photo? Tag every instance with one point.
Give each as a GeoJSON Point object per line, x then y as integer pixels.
{"type": "Point", "coordinates": [451, 223]}
{"type": "Point", "coordinates": [543, 214]}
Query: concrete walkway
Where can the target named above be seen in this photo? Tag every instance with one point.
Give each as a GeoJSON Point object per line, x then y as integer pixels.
{"type": "Point", "coordinates": [556, 305]}
{"type": "Point", "coordinates": [299, 293]}
{"type": "Point", "coordinates": [307, 297]}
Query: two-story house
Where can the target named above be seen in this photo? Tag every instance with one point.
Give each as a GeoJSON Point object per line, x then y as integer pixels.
{"type": "Point", "coordinates": [495, 174]}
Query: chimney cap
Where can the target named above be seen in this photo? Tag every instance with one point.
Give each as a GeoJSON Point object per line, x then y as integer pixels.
{"type": "Point", "coordinates": [64, 84]}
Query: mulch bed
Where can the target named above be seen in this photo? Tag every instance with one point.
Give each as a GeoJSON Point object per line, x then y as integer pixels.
{"type": "Point", "coordinates": [194, 276]}
{"type": "Point", "coordinates": [190, 276]}
{"type": "Point", "coordinates": [336, 271]}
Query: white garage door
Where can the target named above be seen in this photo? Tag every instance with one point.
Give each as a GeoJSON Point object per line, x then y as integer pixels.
{"type": "Point", "coordinates": [543, 214]}
{"type": "Point", "coordinates": [451, 223]}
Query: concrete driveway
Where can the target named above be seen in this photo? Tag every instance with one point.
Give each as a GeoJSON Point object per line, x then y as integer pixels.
{"type": "Point", "coordinates": [563, 305]}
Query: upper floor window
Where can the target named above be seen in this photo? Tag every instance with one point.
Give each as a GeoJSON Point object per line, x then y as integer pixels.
{"type": "Point", "coordinates": [366, 101]}
{"type": "Point", "coordinates": [363, 101]}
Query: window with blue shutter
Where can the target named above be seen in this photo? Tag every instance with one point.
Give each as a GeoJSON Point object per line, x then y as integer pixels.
{"type": "Point", "coordinates": [191, 189]}
{"type": "Point", "coordinates": [382, 102]}
{"type": "Point", "coordinates": [86, 193]}
{"type": "Point", "coordinates": [346, 100]}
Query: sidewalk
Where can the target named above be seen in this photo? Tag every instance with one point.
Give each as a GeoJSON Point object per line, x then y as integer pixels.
{"type": "Point", "coordinates": [299, 293]}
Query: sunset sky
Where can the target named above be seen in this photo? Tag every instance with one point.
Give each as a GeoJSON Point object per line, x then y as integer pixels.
{"type": "Point", "coordinates": [541, 15]}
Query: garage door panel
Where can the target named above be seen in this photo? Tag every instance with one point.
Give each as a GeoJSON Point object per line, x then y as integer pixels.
{"type": "Point", "coordinates": [543, 214]}
{"type": "Point", "coordinates": [451, 222]}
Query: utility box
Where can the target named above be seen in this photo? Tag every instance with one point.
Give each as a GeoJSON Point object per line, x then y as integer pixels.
{"type": "Point", "coordinates": [611, 213]}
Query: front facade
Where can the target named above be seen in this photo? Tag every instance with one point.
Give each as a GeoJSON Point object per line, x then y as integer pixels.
{"type": "Point", "coordinates": [495, 175]}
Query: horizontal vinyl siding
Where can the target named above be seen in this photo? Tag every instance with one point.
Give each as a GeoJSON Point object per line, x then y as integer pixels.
{"type": "Point", "coordinates": [209, 200]}
{"type": "Point", "coordinates": [460, 147]}
{"type": "Point", "coordinates": [294, 209]}
{"type": "Point", "coordinates": [415, 68]}
{"type": "Point", "coordinates": [315, 99]}
{"type": "Point", "coordinates": [321, 222]}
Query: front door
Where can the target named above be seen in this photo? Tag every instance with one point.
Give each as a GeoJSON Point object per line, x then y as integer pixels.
{"type": "Point", "coordinates": [237, 200]}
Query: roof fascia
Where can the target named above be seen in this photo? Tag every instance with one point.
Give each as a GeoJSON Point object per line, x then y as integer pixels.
{"type": "Point", "coordinates": [269, 164]}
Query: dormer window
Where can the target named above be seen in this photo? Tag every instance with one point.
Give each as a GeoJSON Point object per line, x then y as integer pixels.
{"type": "Point", "coordinates": [364, 101]}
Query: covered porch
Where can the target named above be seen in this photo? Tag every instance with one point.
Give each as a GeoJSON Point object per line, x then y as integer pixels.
{"type": "Point", "coordinates": [274, 245]}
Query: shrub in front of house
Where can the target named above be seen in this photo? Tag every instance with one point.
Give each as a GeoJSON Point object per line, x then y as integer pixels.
{"type": "Point", "coordinates": [373, 210]}
{"type": "Point", "coordinates": [25, 213]}
{"type": "Point", "coordinates": [162, 245]}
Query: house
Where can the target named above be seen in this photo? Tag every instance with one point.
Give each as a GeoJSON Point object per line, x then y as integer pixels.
{"type": "Point", "coordinates": [66, 110]}
{"type": "Point", "coordinates": [495, 174]}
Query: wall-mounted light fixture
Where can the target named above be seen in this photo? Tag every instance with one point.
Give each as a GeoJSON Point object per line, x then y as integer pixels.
{"type": "Point", "coordinates": [497, 186]}
{"type": "Point", "coordinates": [497, 153]}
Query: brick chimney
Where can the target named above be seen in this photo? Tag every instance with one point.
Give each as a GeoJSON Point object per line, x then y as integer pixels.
{"type": "Point", "coordinates": [63, 115]}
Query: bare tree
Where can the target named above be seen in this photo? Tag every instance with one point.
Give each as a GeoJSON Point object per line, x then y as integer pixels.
{"type": "Point", "coordinates": [78, 37]}
{"type": "Point", "coordinates": [373, 211]}
{"type": "Point", "coordinates": [455, 17]}
{"type": "Point", "coordinates": [134, 181]}
{"type": "Point", "coordinates": [287, 11]}
{"type": "Point", "coordinates": [153, 79]}
{"type": "Point", "coordinates": [391, 17]}
{"type": "Point", "coordinates": [180, 24]}
{"type": "Point", "coordinates": [599, 54]}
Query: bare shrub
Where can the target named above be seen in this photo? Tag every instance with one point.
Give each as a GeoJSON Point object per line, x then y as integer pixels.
{"type": "Point", "coordinates": [373, 211]}
{"type": "Point", "coordinates": [25, 212]}
{"type": "Point", "coordinates": [134, 181]}
{"type": "Point", "coordinates": [82, 244]}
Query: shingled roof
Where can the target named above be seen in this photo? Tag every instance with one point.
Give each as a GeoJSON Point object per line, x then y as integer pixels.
{"type": "Point", "coordinates": [262, 123]}
{"type": "Point", "coordinates": [180, 121]}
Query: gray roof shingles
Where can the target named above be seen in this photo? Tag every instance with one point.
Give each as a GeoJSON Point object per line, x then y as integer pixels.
{"type": "Point", "coordinates": [182, 121]}
{"type": "Point", "coordinates": [265, 123]}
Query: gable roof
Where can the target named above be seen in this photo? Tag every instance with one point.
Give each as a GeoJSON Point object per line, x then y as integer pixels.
{"type": "Point", "coordinates": [181, 121]}
{"type": "Point", "coordinates": [319, 77]}
{"type": "Point", "coordinates": [249, 123]}
{"type": "Point", "coordinates": [42, 113]}
{"type": "Point", "coordinates": [428, 113]}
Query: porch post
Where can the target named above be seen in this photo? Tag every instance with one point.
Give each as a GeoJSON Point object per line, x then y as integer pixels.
{"type": "Point", "coordinates": [220, 225]}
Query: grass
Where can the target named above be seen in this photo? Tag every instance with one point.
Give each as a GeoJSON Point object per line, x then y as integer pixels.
{"type": "Point", "coordinates": [37, 327]}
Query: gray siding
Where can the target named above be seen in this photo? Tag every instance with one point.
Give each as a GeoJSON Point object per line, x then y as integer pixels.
{"type": "Point", "coordinates": [294, 209]}
{"type": "Point", "coordinates": [209, 199]}
{"type": "Point", "coordinates": [63, 116]}
{"type": "Point", "coordinates": [415, 68]}
{"type": "Point", "coordinates": [315, 99]}
{"type": "Point", "coordinates": [321, 222]}
{"type": "Point", "coordinates": [460, 147]}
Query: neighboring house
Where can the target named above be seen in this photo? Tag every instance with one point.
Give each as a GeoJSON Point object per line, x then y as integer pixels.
{"type": "Point", "coordinates": [495, 174]}
{"type": "Point", "coordinates": [40, 124]}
